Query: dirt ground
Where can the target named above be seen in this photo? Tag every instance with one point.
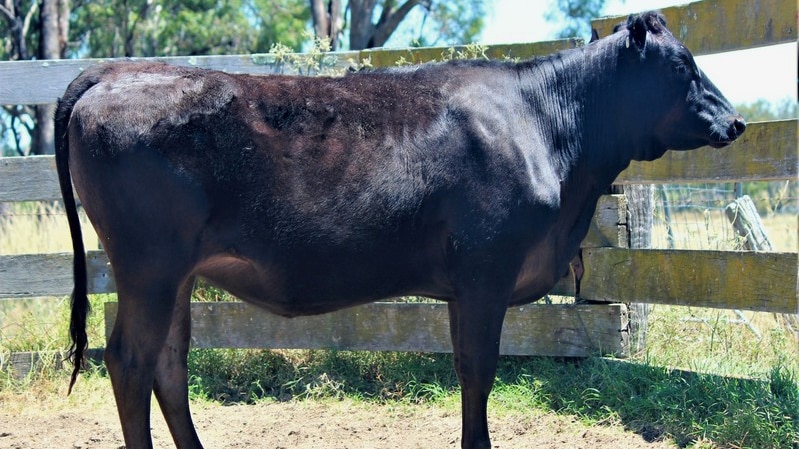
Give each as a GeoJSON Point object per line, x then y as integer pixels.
{"type": "Point", "coordinates": [303, 425]}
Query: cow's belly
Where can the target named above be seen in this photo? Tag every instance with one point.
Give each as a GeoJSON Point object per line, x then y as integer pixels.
{"type": "Point", "coordinates": [308, 284]}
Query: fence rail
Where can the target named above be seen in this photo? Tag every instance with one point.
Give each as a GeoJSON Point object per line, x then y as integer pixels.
{"type": "Point", "coordinates": [718, 26]}
{"type": "Point", "coordinates": [721, 279]}
{"type": "Point", "coordinates": [742, 280]}
{"type": "Point", "coordinates": [767, 151]}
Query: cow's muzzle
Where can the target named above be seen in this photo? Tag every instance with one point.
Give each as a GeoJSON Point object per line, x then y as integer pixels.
{"type": "Point", "coordinates": [735, 127]}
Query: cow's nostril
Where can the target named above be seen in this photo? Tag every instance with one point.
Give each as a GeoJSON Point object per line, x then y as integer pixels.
{"type": "Point", "coordinates": [739, 124]}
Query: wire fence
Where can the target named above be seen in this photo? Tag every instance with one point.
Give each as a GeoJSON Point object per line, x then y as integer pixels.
{"type": "Point", "coordinates": [691, 216]}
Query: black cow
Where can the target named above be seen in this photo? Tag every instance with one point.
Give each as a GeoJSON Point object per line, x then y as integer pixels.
{"type": "Point", "coordinates": [470, 182]}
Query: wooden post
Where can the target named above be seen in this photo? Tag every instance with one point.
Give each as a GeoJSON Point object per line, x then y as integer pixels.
{"type": "Point", "coordinates": [743, 215]}
{"type": "Point", "coordinates": [640, 211]}
{"type": "Point", "coordinates": [745, 219]}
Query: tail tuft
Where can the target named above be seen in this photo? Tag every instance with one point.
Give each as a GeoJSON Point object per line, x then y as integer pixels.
{"type": "Point", "coordinates": [80, 301]}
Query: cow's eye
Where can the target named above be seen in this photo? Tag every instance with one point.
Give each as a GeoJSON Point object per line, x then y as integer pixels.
{"type": "Point", "coordinates": [681, 69]}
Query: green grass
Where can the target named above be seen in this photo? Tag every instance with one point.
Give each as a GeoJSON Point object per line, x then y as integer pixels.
{"type": "Point", "coordinates": [691, 408]}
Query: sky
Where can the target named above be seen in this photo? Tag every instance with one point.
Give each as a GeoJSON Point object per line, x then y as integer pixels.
{"type": "Point", "coordinates": [744, 76]}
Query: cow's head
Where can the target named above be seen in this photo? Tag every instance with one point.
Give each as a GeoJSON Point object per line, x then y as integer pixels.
{"type": "Point", "coordinates": [669, 94]}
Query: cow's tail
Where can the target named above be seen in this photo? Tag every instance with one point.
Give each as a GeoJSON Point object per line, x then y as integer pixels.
{"type": "Point", "coordinates": [80, 301]}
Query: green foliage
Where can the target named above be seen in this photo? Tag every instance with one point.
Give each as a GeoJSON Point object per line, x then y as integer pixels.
{"type": "Point", "coordinates": [107, 28]}
{"type": "Point", "coordinates": [18, 16]}
{"type": "Point", "coordinates": [763, 110]}
{"type": "Point", "coordinates": [451, 23]}
{"type": "Point", "coordinates": [575, 15]}
{"type": "Point", "coordinates": [313, 62]}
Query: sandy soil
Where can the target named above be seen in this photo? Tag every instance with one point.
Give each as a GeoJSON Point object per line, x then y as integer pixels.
{"type": "Point", "coordinates": [61, 423]}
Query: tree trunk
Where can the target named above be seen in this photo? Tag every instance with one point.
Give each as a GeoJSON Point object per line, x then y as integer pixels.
{"type": "Point", "coordinates": [326, 20]}
{"type": "Point", "coordinates": [54, 22]}
{"type": "Point", "coordinates": [389, 21]}
{"type": "Point", "coordinates": [361, 27]}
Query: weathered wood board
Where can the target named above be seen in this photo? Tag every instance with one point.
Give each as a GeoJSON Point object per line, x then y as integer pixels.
{"type": "Point", "coordinates": [609, 225]}
{"type": "Point", "coordinates": [34, 275]}
{"type": "Point", "coordinates": [31, 275]}
{"type": "Point", "coordinates": [51, 274]}
{"type": "Point", "coordinates": [21, 364]}
{"type": "Point", "coordinates": [715, 26]}
{"type": "Point", "coordinates": [722, 279]}
{"type": "Point", "coordinates": [766, 151]}
{"type": "Point", "coordinates": [42, 82]}
{"type": "Point", "coordinates": [550, 330]}
{"type": "Point", "coordinates": [32, 178]}
{"type": "Point", "coordinates": [389, 57]}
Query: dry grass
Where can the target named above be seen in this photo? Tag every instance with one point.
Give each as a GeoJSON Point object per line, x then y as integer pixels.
{"type": "Point", "coordinates": [40, 227]}
{"type": "Point", "coordinates": [710, 229]}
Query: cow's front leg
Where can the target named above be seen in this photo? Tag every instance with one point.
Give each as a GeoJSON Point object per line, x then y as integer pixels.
{"type": "Point", "coordinates": [475, 328]}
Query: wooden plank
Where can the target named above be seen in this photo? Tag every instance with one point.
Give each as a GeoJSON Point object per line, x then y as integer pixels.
{"type": "Point", "coordinates": [42, 82]}
{"type": "Point", "coordinates": [721, 279]}
{"type": "Point", "coordinates": [553, 330]}
{"type": "Point", "coordinates": [22, 364]}
{"type": "Point", "coordinates": [740, 280]}
{"type": "Point", "coordinates": [31, 275]}
{"type": "Point", "coordinates": [765, 152]}
{"type": "Point", "coordinates": [715, 26]}
{"type": "Point", "coordinates": [32, 178]}
{"type": "Point", "coordinates": [50, 274]}
{"type": "Point", "coordinates": [609, 225]}
{"type": "Point", "coordinates": [390, 57]}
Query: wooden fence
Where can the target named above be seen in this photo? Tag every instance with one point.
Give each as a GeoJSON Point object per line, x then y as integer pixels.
{"type": "Point", "coordinates": [613, 272]}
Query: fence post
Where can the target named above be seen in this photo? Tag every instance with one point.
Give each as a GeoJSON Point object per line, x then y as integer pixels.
{"type": "Point", "coordinates": [745, 219]}
{"type": "Point", "coordinates": [640, 211]}
{"type": "Point", "coordinates": [743, 215]}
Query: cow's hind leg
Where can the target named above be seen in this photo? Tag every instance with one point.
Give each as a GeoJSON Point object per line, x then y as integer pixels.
{"type": "Point", "coordinates": [171, 373]}
{"type": "Point", "coordinates": [144, 316]}
{"type": "Point", "coordinates": [475, 329]}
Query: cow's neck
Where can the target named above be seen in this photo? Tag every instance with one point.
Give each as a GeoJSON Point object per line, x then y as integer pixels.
{"type": "Point", "coordinates": [573, 93]}
{"type": "Point", "coordinates": [578, 97]}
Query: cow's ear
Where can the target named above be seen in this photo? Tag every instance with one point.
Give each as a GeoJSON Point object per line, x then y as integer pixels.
{"type": "Point", "coordinates": [594, 35]}
{"type": "Point", "coordinates": [636, 25]}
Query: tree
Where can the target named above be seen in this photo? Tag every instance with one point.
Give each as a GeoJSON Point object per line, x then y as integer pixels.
{"type": "Point", "coordinates": [32, 29]}
{"type": "Point", "coordinates": [50, 29]}
{"type": "Point", "coordinates": [763, 110]}
{"type": "Point", "coordinates": [575, 15]}
{"type": "Point", "coordinates": [114, 28]}
{"type": "Point", "coordinates": [372, 23]}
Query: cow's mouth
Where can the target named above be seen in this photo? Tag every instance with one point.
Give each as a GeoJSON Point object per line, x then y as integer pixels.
{"type": "Point", "coordinates": [721, 143]}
